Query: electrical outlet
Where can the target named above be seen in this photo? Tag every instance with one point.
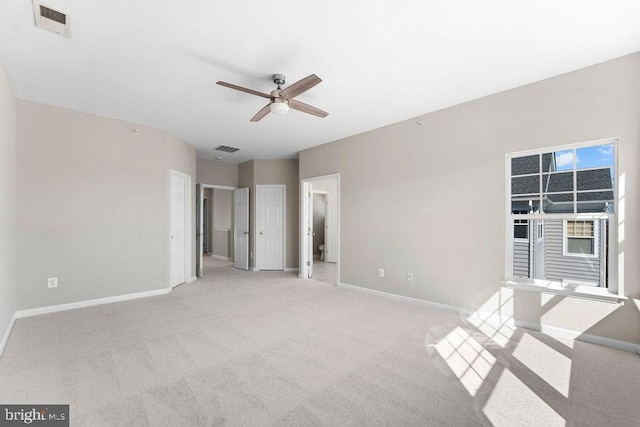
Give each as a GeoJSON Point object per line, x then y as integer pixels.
{"type": "Point", "coordinates": [410, 277]}
{"type": "Point", "coordinates": [381, 272]}
{"type": "Point", "coordinates": [52, 282]}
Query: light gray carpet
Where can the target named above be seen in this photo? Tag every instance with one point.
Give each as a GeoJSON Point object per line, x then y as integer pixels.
{"type": "Point", "coordinates": [325, 272]}
{"type": "Point", "coordinates": [266, 348]}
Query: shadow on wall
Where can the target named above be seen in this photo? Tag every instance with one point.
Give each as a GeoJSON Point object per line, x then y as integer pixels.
{"type": "Point", "coordinates": [522, 377]}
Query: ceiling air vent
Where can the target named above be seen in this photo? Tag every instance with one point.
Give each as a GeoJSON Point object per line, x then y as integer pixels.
{"type": "Point", "coordinates": [226, 149]}
{"type": "Point", "coordinates": [51, 19]}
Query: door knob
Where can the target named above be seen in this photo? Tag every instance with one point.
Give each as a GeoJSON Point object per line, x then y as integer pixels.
{"type": "Point", "coordinates": [262, 232]}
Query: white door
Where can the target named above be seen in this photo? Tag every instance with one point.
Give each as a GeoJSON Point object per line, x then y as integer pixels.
{"type": "Point", "coordinates": [270, 223]}
{"type": "Point", "coordinates": [199, 228]}
{"type": "Point", "coordinates": [178, 219]}
{"type": "Point", "coordinates": [241, 228]}
{"type": "Point", "coordinates": [310, 232]}
{"type": "Point", "coordinates": [331, 229]}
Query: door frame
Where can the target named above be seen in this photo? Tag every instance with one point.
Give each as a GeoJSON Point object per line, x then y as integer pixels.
{"type": "Point", "coordinates": [304, 213]}
{"type": "Point", "coordinates": [203, 186]}
{"type": "Point", "coordinates": [284, 225]}
{"type": "Point", "coordinates": [246, 232]}
{"type": "Point", "coordinates": [188, 232]}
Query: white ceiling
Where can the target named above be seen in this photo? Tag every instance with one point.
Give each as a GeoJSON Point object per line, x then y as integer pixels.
{"type": "Point", "coordinates": [155, 62]}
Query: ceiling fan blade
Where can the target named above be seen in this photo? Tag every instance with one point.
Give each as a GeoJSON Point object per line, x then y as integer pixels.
{"type": "Point", "coordinates": [300, 86]}
{"type": "Point", "coordinates": [243, 89]}
{"type": "Point", "coordinates": [306, 108]}
{"type": "Point", "coordinates": [260, 114]}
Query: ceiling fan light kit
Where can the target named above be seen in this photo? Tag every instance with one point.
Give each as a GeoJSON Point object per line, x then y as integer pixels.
{"type": "Point", "coordinates": [279, 106]}
{"type": "Point", "coordinates": [280, 100]}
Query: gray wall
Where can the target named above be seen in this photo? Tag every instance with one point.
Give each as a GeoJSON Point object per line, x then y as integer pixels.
{"type": "Point", "coordinates": [214, 172]}
{"type": "Point", "coordinates": [222, 205]}
{"type": "Point", "coordinates": [8, 272]}
{"type": "Point", "coordinates": [319, 207]}
{"type": "Point", "coordinates": [93, 205]}
{"type": "Point", "coordinates": [443, 184]}
{"type": "Point", "coordinates": [275, 172]}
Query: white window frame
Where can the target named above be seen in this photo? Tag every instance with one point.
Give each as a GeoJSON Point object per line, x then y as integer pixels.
{"type": "Point", "coordinates": [615, 291]}
{"type": "Point", "coordinates": [595, 238]}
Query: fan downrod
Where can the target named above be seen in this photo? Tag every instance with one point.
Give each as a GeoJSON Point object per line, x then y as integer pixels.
{"type": "Point", "coordinates": [279, 79]}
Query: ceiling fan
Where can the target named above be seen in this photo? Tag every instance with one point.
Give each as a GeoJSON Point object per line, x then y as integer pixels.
{"type": "Point", "coordinates": [280, 100]}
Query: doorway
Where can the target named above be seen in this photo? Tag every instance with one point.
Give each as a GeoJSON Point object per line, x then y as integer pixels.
{"type": "Point", "coordinates": [320, 229]}
{"type": "Point", "coordinates": [214, 220]}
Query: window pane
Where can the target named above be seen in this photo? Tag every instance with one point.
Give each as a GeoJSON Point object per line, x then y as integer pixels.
{"type": "Point", "coordinates": [525, 205]}
{"type": "Point", "coordinates": [595, 157]}
{"type": "Point", "coordinates": [562, 161]}
{"type": "Point", "coordinates": [595, 179]}
{"type": "Point", "coordinates": [593, 207]}
{"type": "Point", "coordinates": [580, 246]}
{"type": "Point", "coordinates": [525, 184]}
{"type": "Point", "coordinates": [595, 202]}
{"type": "Point", "coordinates": [521, 231]}
{"type": "Point", "coordinates": [580, 228]}
{"type": "Point", "coordinates": [602, 196]}
{"type": "Point", "coordinates": [556, 182]}
{"type": "Point", "coordinates": [525, 165]}
{"type": "Point", "coordinates": [548, 163]}
{"type": "Point", "coordinates": [558, 203]}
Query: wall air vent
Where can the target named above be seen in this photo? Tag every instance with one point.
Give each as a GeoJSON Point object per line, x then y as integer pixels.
{"type": "Point", "coordinates": [226, 149]}
{"type": "Point", "coordinates": [51, 19]}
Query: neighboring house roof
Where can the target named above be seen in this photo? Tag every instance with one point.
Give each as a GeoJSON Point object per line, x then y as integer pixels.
{"type": "Point", "coordinates": [559, 182]}
{"type": "Point", "coordinates": [531, 164]}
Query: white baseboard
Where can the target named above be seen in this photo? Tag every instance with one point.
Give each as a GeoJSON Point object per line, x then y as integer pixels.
{"type": "Point", "coordinates": [579, 336]}
{"type": "Point", "coordinates": [88, 303]}
{"type": "Point", "coordinates": [291, 269]}
{"type": "Point", "coordinates": [5, 338]}
{"type": "Point", "coordinates": [545, 329]}
{"type": "Point", "coordinates": [405, 299]}
{"type": "Point", "coordinates": [226, 258]}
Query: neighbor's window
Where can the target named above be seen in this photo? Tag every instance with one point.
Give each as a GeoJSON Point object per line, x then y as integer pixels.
{"type": "Point", "coordinates": [580, 238]}
{"type": "Point", "coordinates": [562, 212]}
{"type": "Point", "coordinates": [521, 228]}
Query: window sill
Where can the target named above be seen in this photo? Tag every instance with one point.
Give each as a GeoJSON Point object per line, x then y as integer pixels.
{"type": "Point", "coordinates": [566, 289]}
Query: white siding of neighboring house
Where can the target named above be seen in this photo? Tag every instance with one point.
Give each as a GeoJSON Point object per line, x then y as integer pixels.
{"type": "Point", "coordinates": [521, 257]}
{"type": "Point", "coordinates": [558, 266]}
{"type": "Point", "coordinates": [538, 253]}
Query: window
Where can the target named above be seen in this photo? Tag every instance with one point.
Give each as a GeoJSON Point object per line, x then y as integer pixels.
{"type": "Point", "coordinates": [561, 215]}
{"type": "Point", "coordinates": [580, 238]}
{"type": "Point", "coordinates": [521, 227]}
